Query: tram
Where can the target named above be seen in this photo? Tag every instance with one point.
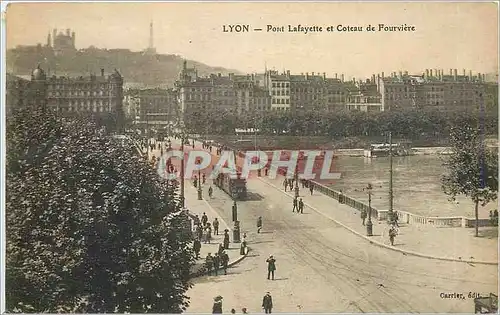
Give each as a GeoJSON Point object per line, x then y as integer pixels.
{"type": "Point", "coordinates": [234, 187]}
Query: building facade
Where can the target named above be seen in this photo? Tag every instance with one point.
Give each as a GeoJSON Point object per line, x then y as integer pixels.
{"type": "Point", "coordinates": [432, 89]}
{"type": "Point", "coordinates": [151, 106]}
{"type": "Point", "coordinates": [68, 96]}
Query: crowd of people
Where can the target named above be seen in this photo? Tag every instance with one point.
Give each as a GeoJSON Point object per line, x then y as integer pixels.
{"type": "Point", "coordinates": [267, 305]}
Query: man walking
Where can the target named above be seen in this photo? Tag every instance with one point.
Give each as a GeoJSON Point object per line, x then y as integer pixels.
{"type": "Point", "coordinates": [216, 261]}
{"type": "Point", "coordinates": [285, 183]}
{"type": "Point", "coordinates": [311, 188]}
{"type": "Point", "coordinates": [271, 267]}
{"type": "Point", "coordinates": [363, 216]}
{"type": "Point", "coordinates": [197, 247]}
{"type": "Point", "coordinates": [301, 206]}
{"type": "Point", "coordinates": [204, 219]}
{"type": "Point", "coordinates": [216, 226]}
{"type": "Point", "coordinates": [226, 239]}
{"type": "Point", "coordinates": [259, 224]}
{"type": "Point", "coordinates": [209, 263]}
{"type": "Point", "coordinates": [224, 259]}
{"type": "Point", "coordinates": [210, 191]}
{"type": "Point", "coordinates": [267, 303]}
{"type": "Point", "coordinates": [295, 205]}
{"type": "Point", "coordinates": [392, 234]}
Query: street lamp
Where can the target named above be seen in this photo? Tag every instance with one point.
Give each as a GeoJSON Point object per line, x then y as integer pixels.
{"type": "Point", "coordinates": [390, 216]}
{"type": "Point", "coordinates": [369, 224]}
{"type": "Point", "coordinates": [182, 171]}
{"type": "Point", "coordinates": [296, 181]}
{"type": "Point", "coordinates": [236, 229]}
{"type": "Point", "coordinates": [200, 192]}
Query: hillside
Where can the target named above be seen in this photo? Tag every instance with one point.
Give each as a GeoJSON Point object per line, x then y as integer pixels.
{"type": "Point", "coordinates": [137, 68]}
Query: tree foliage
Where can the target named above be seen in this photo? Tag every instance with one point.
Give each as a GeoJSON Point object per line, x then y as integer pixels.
{"type": "Point", "coordinates": [90, 226]}
{"type": "Point", "coordinates": [409, 124]}
{"type": "Point", "coordinates": [472, 169]}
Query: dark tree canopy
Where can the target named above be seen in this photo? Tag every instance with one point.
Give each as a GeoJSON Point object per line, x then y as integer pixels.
{"type": "Point", "coordinates": [90, 226]}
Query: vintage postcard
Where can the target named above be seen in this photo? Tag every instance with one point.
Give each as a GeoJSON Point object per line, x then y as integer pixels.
{"type": "Point", "coordinates": [249, 157]}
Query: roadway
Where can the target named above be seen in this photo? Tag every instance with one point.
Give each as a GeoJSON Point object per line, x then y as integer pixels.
{"type": "Point", "coordinates": [322, 267]}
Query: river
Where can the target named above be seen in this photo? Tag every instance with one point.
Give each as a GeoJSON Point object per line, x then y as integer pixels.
{"type": "Point", "coordinates": [416, 185]}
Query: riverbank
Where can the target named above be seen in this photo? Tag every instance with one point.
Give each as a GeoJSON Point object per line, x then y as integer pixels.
{"type": "Point", "coordinates": [414, 151]}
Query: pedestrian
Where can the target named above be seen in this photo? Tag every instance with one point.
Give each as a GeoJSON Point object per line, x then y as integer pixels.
{"type": "Point", "coordinates": [233, 311]}
{"type": "Point", "coordinates": [217, 307]}
{"type": "Point", "coordinates": [197, 247]}
{"type": "Point", "coordinates": [204, 219]}
{"type": "Point", "coordinates": [203, 178]}
{"type": "Point", "coordinates": [311, 188]}
{"type": "Point", "coordinates": [216, 226]}
{"type": "Point", "coordinates": [392, 234]}
{"type": "Point", "coordinates": [259, 224]}
{"type": "Point", "coordinates": [209, 263]}
{"type": "Point", "coordinates": [396, 218]}
{"type": "Point", "coordinates": [295, 205]}
{"type": "Point", "coordinates": [210, 191]}
{"type": "Point", "coordinates": [226, 239]}
{"type": "Point", "coordinates": [301, 206]}
{"type": "Point", "coordinates": [363, 215]}
{"type": "Point", "coordinates": [245, 237]}
{"type": "Point", "coordinates": [267, 303]}
{"type": "Point", "coordinates": [271, 267]}
{"type": "Point", "coordinates": [243, 248]}
{"type": "Point", "coordinates": [216, 261]}
{"type": "Point", "coordinates": [244, 310]}
{"type": "Point", "coordinates": [224, 259]}
{"type": "Point", "coordinates": [266, 171]}
{"type": "Point", "coordinates": [199, 232]}
{"type": "Point", "coordinates": [209, 233]}
{"type": "Point", "coordinates": [285, 183]}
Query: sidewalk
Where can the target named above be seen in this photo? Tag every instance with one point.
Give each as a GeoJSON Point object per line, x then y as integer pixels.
{"type": "Point", "coordinates": [198, 207]}
{"type": "Point", "coordinates": [426, 241]}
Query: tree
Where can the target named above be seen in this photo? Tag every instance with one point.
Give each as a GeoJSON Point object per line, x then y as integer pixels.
{"type": "Point", "coordinates": [472, 170]}
{"type": "Point", "coordinates": [90, 226]}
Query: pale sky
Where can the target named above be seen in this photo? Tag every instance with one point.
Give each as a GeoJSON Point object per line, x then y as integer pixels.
{"type": "Point", "coordinates": [448, 35]}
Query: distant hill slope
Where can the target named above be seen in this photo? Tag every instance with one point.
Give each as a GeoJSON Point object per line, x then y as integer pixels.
{"type": "Point", "coordinates": [137, 68]}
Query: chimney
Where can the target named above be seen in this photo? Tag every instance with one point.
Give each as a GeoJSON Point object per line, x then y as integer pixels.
{"type": "Point", "coordinates": [54, 34]}
{"type": "Point", "coordinates": [102, 72]}
{"type": "Point", "coordinates": [484, 78]}
{"type": "Point", "coordinates": [406, 73]}
{"type": "Point", "coordinates": [73, 39]}
{"type": "Point", "coordinates": [451, 72]}
{"type": "Point", "coordinates": [288, 72]}
{"type": "Point", "coordinates": [464, 72]}
{"type": "Point", "coordinates": [324, 75]}
{"type": "Point", "coordinates": [401, 74]}
{"type": "Point", "coordinates": [430, 73]}
{"type": "Point", "coordinates": [373, 78]}
{"type": "Point", "coordinates": [307, 75]}
{"type": "Point", "coordinates": [335, 75]}
{"type": "Point", "coordinates": [479, 77]}
{"type": "Point", "coordinates": [67, 32]}
{"type": "Point", "coordinates": [455, 74]}
{"type": "Point", "coordinates": [426, 73]}
{"type": "Point", "coordinates": [470, 75]}
{"type": "Point", "coordinates": [313, 74]}
{"type": "Point", "coordinates": [382, 74]}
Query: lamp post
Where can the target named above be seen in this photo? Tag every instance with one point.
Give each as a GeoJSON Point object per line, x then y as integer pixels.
{"type": "Point", "coordinates": [390, 216]}
{"type": "Point", "coordinates": [369, 224]}
{"type": "Point", "coordinates": [182, 171]}
{"type": "Point", "coordinates": [200, 192]}
{"type": "Point", "coordinates": [236, 228]}
{"type": "Point", "coordinates": [296, 175]}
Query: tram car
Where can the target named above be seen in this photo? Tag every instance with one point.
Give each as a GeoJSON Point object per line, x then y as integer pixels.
{"type": "Point", "coordinates": [234, 187]}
